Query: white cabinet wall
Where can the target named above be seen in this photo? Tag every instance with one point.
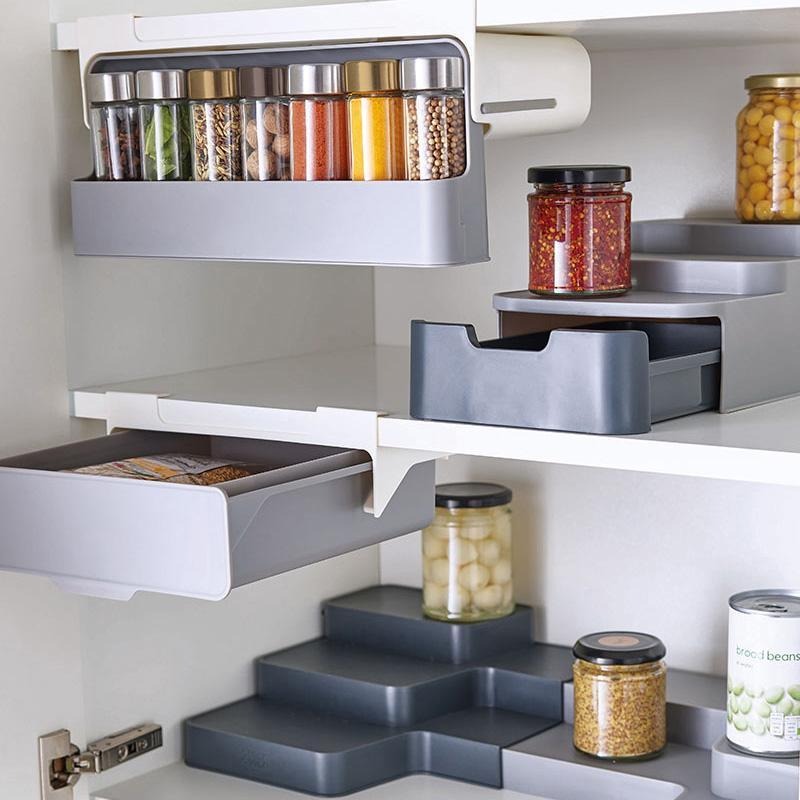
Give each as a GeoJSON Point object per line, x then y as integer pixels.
{"type": "Point", "coordinates": [593, 548]}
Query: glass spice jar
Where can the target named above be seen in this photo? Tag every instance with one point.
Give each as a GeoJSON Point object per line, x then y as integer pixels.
{"type": "Point", "coordinates": [317, 123]}
{"type": "Point", "coordinates": [579, 230]}
{"type": "Point", "coordinates": [767, 150]}
{"type": "Point", "coordinates": [114, 120]}
{"type": "Point", "coordinates": [375, 115]}
{"type": "Point", "coordinates": [435, 121]}
{"type": "Point", "coordinates": [265, 123]}
{"type": "Point", "coordinates": [216, 125]}
{"type": "Point", "coordinates": [165, 140]}
{"type": "Point", "coordinates": [466, 554]}
{"type": "Point", "coordinates": [620, 682]}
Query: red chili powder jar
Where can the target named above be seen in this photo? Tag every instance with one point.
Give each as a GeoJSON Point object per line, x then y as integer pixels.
{"type": "Point", "coordinates": [318, 123]}
{"type": "Point", "coordinates": [580, 230]}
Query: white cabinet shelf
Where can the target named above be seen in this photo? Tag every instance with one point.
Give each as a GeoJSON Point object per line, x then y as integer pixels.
{"type": "Point", "coordinates": [631, 25]}
{"type": "Point", "coordinates": [359, 399]}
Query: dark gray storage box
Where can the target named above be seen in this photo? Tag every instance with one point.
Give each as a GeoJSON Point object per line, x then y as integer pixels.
{"type": "Point", "coordinates": [610, 378]}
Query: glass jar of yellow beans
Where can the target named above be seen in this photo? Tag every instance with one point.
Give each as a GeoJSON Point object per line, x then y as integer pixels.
{"type": "Point", "coordinates": [466, 554]}
{"type": "Point", "coordinates": [768, 150]}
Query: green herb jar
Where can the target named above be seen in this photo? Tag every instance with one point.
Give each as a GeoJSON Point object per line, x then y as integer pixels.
{"type": "Point", "coordinates": [164, 125]}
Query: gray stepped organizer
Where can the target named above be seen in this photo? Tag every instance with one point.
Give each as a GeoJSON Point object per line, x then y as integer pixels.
{"type": "Point", "coordinates": [608, 378]}
{"type": "Point", "coordinates": [738, 776]}
{"type": "Point", "coordinates": [396, 223]}
{"type": "Point", "coordinates": [333, 716]}
{"type": "Point", "coordinates": [743, 278]}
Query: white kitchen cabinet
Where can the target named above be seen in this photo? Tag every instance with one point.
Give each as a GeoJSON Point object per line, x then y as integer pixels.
{"type": "Point", "coordinates": [674, 522]}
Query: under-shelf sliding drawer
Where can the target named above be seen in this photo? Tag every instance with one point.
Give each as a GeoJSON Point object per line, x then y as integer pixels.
{"type": "Point", "coordinates": [111, 537]}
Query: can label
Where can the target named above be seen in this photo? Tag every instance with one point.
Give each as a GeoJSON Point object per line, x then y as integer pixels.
{"type": "Point", "coordinates": [764, 683]}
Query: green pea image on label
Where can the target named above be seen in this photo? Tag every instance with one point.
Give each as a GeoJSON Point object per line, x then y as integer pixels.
{"type": "Point", "coordinates": [794, 691]}
{"type": "Point", "coordinates": [774, 694]}
{"type": "Point", "coordinates": [758, 727]}
{"type": "Point", "coordinates": [733, 705]}
{"type": "Point", "coordinates": [796, 709]}
{"type": "Point", "coordinates": [745, 704]}
{"type": "Point", "coordinates": [738, 688]}
{"type": "Point", "coordinates": [755, 691]}
{"type": "Point", "coordinates": [730, 684]}
{"type": "Point", "coordinates": [740, 722]}
{"type": "Point", "coordinates": [730, 716]}
{"type": "Point", "coordinates": [785, 706]}
{"type": "Point", "coordinates": [762, 708]}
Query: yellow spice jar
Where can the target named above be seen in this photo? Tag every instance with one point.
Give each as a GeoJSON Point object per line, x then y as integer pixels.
{"type": "Point", "coordinates": [768, 150]}
{"type": "Point", "coordinates": [375, 116]}
{"type": "Point", "coordinates": [620, 683]}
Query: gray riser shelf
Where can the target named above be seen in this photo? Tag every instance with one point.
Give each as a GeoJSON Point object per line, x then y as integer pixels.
{"type": "Point", "coordinates": [397, 223]}
{"type": "Point", "coordinates": [334, 716]}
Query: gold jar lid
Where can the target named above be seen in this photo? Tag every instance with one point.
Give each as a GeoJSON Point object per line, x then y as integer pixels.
{"type": "Point", "coordinates": [777, 81]}
{"type": "Point", "coordinates": [212, 84]}
{"type": "Point", "coordinates": [380, 75]}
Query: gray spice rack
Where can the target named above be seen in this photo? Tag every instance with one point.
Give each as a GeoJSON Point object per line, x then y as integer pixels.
{"type": "Point", "coordinates": [387, 692]}
{"type": "Point", "coordinates": [565, 363]}
{"type": "Point", "coordinates": [394, 223]}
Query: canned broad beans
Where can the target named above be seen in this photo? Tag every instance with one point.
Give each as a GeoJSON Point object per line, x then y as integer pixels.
{"type": "Point", "coordinates": [764, 672]}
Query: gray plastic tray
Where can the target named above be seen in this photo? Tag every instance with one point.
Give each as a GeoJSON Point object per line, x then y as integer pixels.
{"type": "Point", "coordinates": [332, 716]}
{"type": "Point", "coordinates": [112, 537]}
{"type": "Point", "coordinates": [614, 378]}
{"type": "Point", "coordinates": [397, 223]}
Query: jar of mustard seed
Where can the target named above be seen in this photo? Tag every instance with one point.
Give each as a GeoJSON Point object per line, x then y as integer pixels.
{"type": "Point", "coordinates": [579, 230]}
{"type": "Point", "coordinates": [768, 150]}
{"type": "Point", "coordinates": [375, 117]}
{"type": "Point", "coordinates": [466, 554]}
{"type": "Point", "coordinates": [620, 683]}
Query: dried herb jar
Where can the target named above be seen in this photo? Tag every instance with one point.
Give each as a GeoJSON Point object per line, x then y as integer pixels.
{"type": "Point", "coordinates": [375, 117]}
{"type": "Point", "coordinates": [114, 120]}
{"type": "Point", "coordinates": [265, 123]}
{"type": "Point", "coordinates": [216, 125]}
{"type": "Point", "coordinates": [466, 554]}
{"type": "Point", "coordinates": [579, 230]}
{"type": "Point", "coordinates": [620, 683]}
{"type": "Point", "coordinates": [317, 123]}
{"type": "Point", "coordinates": [165, 141]}
{"type": "Point", "coordinates": [434, 117]}
{"type": "Point", "coordinates": [767, 150]}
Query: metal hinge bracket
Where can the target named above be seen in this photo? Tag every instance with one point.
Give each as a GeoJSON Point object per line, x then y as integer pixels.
{"type": "Point", "coordinates": [61, 763]}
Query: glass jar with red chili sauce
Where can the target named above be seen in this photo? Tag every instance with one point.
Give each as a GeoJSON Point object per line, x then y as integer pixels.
{"type": "Point", "coordinates": [580, 230]}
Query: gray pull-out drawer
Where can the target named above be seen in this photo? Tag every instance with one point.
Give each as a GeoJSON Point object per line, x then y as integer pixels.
{"type": "Point", "coordinates": [111, 537]}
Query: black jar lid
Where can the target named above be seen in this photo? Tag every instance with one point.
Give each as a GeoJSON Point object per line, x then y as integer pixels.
{"type": "Point", "coordinates": [472, 495]}
{"type": "Point", "coordinates": [619, 648]}
{"type": "Point", "coordinates": [582, 173]}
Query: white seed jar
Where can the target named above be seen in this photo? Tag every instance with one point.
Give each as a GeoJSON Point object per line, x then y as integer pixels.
{"type": "Point", "coordinates": [466, 554]}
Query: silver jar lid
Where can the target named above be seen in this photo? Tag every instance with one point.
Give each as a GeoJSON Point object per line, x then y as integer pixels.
{"type": "Point", "coordinates": [773, 603]}
{"type": "Point", "coordinates": [315, 79]}
{"type": "Point", "coordinates": [444, 72]}
{"type": "Point", "coordinates": [160, 84]}
{"type": "Point", "coordinates": [110, 87]}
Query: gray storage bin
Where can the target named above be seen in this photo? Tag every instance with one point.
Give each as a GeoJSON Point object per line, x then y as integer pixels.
{"type": "Point", "coordinates": [112, 537]}
{"type": "Point", "coordinates": [612, 378]}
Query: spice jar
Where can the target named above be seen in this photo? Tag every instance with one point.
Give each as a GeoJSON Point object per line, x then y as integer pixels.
{"type": "Point", "coordinates": [767, 150]}
{"type": "Point", "coordinates": [164, 124]}
{"type": "Point", "coordinates": [265, 123]}
{"type": "Point", "coordinates": [375, 115]}
{"type": "Point", "coordinates": [579, 230]}
{"type": "Point", "coordinates": [620, 683]}
{"type": "Point", "coordinates": [114, 119]}
{"type": "Point", "coordinates": [435, 126]}
{"type": "Point", "coordinates": [466, 554]}
{"type": "Point", "coordinates": [216, 125]}
{"type": "Point", "coordinates": [317, 123]}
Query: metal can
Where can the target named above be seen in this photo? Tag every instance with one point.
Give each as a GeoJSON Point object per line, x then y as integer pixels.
{"type": "Point", "coordinates": [764, 672]}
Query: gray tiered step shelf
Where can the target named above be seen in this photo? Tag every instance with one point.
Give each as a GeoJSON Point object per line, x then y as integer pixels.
{"type": "Point", "coordinates": [334, 716]}
{"type": "Point", "coordinates": [396, 223]}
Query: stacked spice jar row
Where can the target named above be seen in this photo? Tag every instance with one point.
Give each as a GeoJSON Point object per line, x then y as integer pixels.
{"type": "Point", "coordinates": [362, 120]}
